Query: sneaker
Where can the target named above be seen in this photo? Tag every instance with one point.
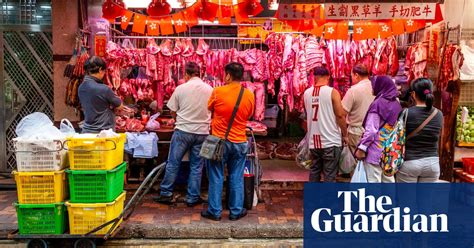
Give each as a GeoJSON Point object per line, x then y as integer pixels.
{"type": "Point", "coordinates": [168, 200]}
{"type": "Point", "coordinates": [198, 202]}
{"type": "Point", "coordinates": [207, 215]}
{"type": "Point", "coordinates": [238, 217]}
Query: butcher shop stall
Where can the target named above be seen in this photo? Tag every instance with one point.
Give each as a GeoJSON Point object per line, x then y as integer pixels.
{"type": "Point", "coordinates": [147, 43]}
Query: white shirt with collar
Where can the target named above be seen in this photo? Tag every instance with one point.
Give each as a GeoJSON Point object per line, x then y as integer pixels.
{"type": "Point", "coordinates": [189, 101]}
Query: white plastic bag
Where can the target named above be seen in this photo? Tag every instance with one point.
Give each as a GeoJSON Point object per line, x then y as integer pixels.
{"type": "Point", "coordinates": [66, 127]}
{"type": "Point", "coordinates": [38, 126]}
{"type": "Point", "coordinates": [346, 161]}
{"type": "Point", "coordinates": [304, 158]}
{"type": "Point", "coordinates": [109, 133]}
{"type": "Point", "coordinates": [30, 124]}
{"type": "Point", "coordinates": [153, 124]}
{"type": "Point", "coordinates": [359, 174]}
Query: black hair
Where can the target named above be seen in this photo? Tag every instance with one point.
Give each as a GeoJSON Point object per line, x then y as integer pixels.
{"type": "Point", "coordinates": [235, 70]}
{"type": "Point", "coordinates": [320, 71]}
{"type": "Point", "coordinates": [361, 70]}
{"type": "Point", "coordinates": [423, 88]}
{"type": "Point", "coordinates": [94, 64]}
{"type": "Point", "coordinates": [192, 69]}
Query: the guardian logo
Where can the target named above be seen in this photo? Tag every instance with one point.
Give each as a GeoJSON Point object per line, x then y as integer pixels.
{"type": "Point", "coordinates": [375, 215]}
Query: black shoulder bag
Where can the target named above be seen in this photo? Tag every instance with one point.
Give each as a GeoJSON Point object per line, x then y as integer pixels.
{"type": "Point", "coordinates": [213, 146]}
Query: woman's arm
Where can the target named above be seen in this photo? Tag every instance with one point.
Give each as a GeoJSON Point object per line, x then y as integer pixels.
{"type": "Point", "coordinates": [370, 135]}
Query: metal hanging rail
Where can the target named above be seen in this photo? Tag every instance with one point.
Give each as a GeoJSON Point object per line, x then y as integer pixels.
{"type": "Point", "coordinates": [184, 37]}
{"type": "Point", "coordinates": [205, 24]}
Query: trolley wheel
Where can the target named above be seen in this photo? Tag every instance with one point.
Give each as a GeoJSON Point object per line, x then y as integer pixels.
{"type": "Point", "coordinates": [37, 243]}
{"type": "Point", "coordinates": [84, 243]}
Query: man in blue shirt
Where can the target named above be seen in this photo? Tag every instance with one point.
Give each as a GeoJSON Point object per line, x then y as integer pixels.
{"type": "Point", "coordinates": [97, 100]}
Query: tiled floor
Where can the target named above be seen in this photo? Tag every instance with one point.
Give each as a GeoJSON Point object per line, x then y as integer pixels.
{"type": "Point", "coordinates": [280, 210]}
{"type": "Point", "coordinates": [283, 171]}
{"type": "Point", "coordinates": [279, 207]}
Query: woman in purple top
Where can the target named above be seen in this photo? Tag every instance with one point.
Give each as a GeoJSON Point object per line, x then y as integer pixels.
{"type": "Point", "coordinates": [382, 115]}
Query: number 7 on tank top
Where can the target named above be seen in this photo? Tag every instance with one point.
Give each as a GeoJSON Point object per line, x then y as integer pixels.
{"type": "Point", "coordinates": [315, 104]}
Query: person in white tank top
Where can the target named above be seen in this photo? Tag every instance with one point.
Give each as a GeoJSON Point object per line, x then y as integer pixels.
{"type": "Point", "coordinates": [326, 126]}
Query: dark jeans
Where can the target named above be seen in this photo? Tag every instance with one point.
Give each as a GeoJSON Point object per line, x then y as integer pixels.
{"type": "Point", "coordinates": [181, 142]}
{"type": "Point", "coordinates": [234, 156]}
{"type": "Point", "coordinates": [325, 161]}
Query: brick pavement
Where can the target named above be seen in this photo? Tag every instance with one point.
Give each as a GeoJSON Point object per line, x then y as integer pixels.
{"type": "Point", "coordinates": [280, 216]}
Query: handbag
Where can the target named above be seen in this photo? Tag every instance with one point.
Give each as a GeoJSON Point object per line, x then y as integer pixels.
{"type": "Point", "coordinates": [393, 146]}
{"type": "Point", "coordinates": [213, 146]}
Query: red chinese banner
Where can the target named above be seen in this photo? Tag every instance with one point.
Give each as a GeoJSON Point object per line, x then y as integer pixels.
{"type": "Point", "coordinates": [298, 11]}
{"type": "Point", "coordinates": [379, 11]}
{"type": "Point", "coordinates": [100, 42]}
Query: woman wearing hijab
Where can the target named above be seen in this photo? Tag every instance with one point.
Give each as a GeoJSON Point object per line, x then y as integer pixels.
{"type": "Point", "coordinates": [381, 117]}
{"type": "Point", "coordinates": [421, 154]}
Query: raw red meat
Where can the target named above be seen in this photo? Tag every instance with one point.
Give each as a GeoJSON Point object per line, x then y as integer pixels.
{"type": "Point", "coordinates": [314, 53]}
{"type": "Point", "coordinates": [259, 101]}
{"type": "Point", "coordinates": [393, 63]}
{"type": "Point", "coordinates": [257, 126]}
{"type": "Point", "coordinates": [381, 59]}
{"type": "Point", "coordinates": [151, 67]}
{"type": "Point", "coordinates": [188, 48]}
{"type": "Point", "coordinates": [134, 125]}
{"type": "Point", "coordinates": [202, 47]}
{"type": "Point", "coordinates": [453, 60]}
{"type": "Point", "coordinates": [166, 48]}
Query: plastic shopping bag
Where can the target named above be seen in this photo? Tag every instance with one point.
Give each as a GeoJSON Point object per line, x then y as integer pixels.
{"type": "Point", "coordinates": [304, 158]}
{"type": "Point", "coordinates": [359, 174]}
{"type": "Point", "coordinates": [153, 124]}
{"type": "Point", "coordinates": [346, 161]}
{"type": "Point", "coordinates": [37, 126]}
{"type": "Point", "coordinates": [31, 123]}
{"type": "Point", "coordinates": [66, 127]}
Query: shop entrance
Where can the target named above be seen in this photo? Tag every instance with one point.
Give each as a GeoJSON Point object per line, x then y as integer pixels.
{"type": "Point", "coordinates": [26, 70]}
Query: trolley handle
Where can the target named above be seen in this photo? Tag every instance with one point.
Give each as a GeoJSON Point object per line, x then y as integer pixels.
{"type": "Point", "coordinates": [93, 150]}
{"type": "Point", "coordinates": [61, 147]}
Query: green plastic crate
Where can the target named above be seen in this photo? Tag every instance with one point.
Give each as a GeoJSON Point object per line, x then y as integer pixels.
{"type": "Point", "coordinates": [41, 218]}
{"type": "Point", "coordinates": [96, 186]}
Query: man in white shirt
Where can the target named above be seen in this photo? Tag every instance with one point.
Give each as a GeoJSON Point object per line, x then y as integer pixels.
{"type": "Point", "coordinates": [327, 127]}
{"type": "Point", "coordinates": [188, 106]}
{"type": "Point", "coordinates": [356, 103]}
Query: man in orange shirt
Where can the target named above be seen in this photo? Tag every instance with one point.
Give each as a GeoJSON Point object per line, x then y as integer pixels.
{"type": "Point", "coordinates": [222, 103]}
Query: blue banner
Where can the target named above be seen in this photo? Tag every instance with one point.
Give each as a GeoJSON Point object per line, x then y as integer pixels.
{"type": "Point", "coordinates": [389, 215]}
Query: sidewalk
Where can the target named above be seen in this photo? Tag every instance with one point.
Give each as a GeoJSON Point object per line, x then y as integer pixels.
{"type": "Point", "coordinates": [280, 216]}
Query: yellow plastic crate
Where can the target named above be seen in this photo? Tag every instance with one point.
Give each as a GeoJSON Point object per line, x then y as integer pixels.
{"type": "Point", "coordinates": [95, 153]}
{"type": "Point", "coordinates": [41, 187]}
{"type": "Point", "coordinates": [84, 217]}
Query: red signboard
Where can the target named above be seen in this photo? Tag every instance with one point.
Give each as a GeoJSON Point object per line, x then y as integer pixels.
{"type": "Point", "coordinates": [379, 11]}
{"type": "Point", "coordinates": [298, 11]}
{"type": "Point", "coordinates": [100, 42]}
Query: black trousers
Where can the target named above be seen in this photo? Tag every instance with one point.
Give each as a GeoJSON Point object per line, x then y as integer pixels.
{"type": "Point", "coordinates": [325, 161]}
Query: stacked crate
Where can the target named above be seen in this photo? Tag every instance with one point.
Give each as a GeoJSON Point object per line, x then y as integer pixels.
{"type": "Point", "coordinates": [41, 186]}
{"type": "Point", "coordinates": [96, 179]}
